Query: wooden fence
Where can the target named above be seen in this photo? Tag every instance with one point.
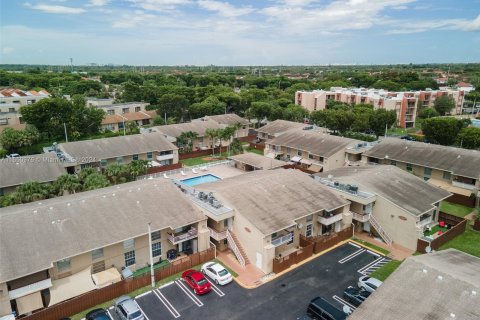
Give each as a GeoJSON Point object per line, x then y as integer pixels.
{"type": "Point", "coordinates": [297, 167]}
{"type": "Point", "coordinates": [463, 200]}
{"type": "Point", "coordinates": [294, 257]}
{"type": "Point", "coordinates": [200, 153]}
{"type": "Point", "coordinates": [325, 242]}
{"type": "Point", "coordinates": [93, 298]}
{"type": "Point", "coordinates": [164, 168]}
{"type": "Point", "coordinates": [258, 146]}
{"type": "Point", "coordinates": [449, 219]}
{"type": "Point", "coordinates": [436, 243]}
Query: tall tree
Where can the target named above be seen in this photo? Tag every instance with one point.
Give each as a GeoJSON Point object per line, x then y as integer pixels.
{"type": "Point", "coordinates": [381, 119]}
{"type": "Point", "coordinates": [444, 130]}
{"type": "Point", "coordinates": [67, 183]}
{"type": "Point", "coordinates": [469, 138]}
{"type": "Point", "coordinates": [444, 104]}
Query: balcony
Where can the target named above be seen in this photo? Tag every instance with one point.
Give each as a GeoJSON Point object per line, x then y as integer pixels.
{"type": "Point", "coordinates": [218, 235]}
{"type": "Point", "coordinates": [463, 185]}
{"type": "Point", "coordinates": [328, 220]}
{"type": "Point", "coordinates": [425, 221]}
{"type": "Point", "coordinates": [360, 217]}
{"type": "Point", "coordinates": [165, 157]}
{"type": "Point", "coordinates": [176, 238]}
{"type": "Point", "coordinates": [283, 239]}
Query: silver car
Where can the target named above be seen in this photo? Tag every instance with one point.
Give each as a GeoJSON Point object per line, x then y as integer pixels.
{"type": "Point", "coordinates": [127, 309]}
{"type": "Point", "coordinates": [368, 283]}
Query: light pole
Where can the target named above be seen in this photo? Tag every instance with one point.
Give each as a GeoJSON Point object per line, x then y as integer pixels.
{"type": "Point", "coordinates": [152, 274]}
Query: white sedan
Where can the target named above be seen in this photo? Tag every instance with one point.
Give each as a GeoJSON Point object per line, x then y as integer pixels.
{"type": "Point", "coordinates": [217, 273]}
{"type": "Point", "coordinates": [369, 284]}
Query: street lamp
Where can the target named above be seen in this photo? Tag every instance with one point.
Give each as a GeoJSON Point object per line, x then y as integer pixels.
{"type": "Point", "coordinates": [152, 274]}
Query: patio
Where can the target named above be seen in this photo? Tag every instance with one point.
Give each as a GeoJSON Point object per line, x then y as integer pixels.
{"type": "Point", "coordinates": [222, 171]}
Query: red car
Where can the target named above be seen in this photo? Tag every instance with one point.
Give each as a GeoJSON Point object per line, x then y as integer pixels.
{"type": "Point", "coordinates": [196, 280]}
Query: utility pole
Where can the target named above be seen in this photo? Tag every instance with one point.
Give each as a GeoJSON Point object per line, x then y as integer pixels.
{"type": "Point", "coordinates": [152, 274]}
{"type": "Point", "coordinates": [65, 128]}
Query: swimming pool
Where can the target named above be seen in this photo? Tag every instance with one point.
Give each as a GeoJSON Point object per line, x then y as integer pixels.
{"type": "Point", "coordinates": [200, 179]}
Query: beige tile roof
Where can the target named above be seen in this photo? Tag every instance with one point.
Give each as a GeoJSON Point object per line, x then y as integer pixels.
{"type": "Point", "coordinates": [279, 126]}
{"type": "Point", "coordinates": [34, 235]}
{"type": "Point", "coordinates": [258, 161]}
{"type": "Point", "coordinates": [228, 119]}
{"type": "Point", "coordinates": [429, 286]}
{"type": "Point", "coordinates": [272, 199]}
{"type": "Point", "coordinates": [459, 161]}
{"type": "Point", "coordinates": [44, 167]}
{"type": "Point", "coordinates": [175, 130]}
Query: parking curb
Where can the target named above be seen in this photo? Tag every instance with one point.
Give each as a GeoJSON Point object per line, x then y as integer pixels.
{"type": "Point", "coordinates": [368, 248]}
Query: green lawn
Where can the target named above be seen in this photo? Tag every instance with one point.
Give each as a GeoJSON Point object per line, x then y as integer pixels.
{"type": "Point", "coordinates": [434, 230]}
{"type": "Point", "coordinates": [382, 273]}
{"type": "Point", "coordinates": [199, 160]}
{"type": "Point", "coordinates": [147, 268]}
{"type": "Point", "coordinates": [455, 209]}
{"type": "Point", "coordinates": [253, 150]}
{"type": "Point", "coordinates": [467, 242]}
{"type": "Point", "coordinates": [374, 247]}
{"type": "Point", "coordinates": [135, 293]}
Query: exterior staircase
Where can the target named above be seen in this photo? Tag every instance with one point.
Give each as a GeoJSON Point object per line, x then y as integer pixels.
{"type": "Point", "coordinates": [237, 249]}
{"type": "Point", "coordinates": [374, 223]}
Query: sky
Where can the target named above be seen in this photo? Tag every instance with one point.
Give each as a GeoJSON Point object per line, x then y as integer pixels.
{"type": "Point", "coordinates": [234, 32]}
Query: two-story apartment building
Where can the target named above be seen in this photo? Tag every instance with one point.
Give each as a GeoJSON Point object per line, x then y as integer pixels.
{"type": "Point", "coordinates": [201, 142]}
{"type": "Point", "coordinates": [119, 122]}
{"type": "Point", "coordinates": [99, 153]}
{"type": "Point", "coordinates": [43, 168]}
{"type": "Point", "coordinates": [314, 150]}
{"type": "Point", "coordinates": [10, 102]}
{"type": "Point", "coordinates": [229, 119]}
{"type": "Point", "coordinates": [276, 128]}
{"type": "Point", "coordinates": [56, 249]}
{"type": "Point", "coordinates": [260, 215]}
{"type": "Point", "coordinates": [456, 170]}
{"type": "Point", "coordinates": [387, 201]}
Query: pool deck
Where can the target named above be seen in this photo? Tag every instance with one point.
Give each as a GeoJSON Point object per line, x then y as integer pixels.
{"type": "Point", "coordinates": [221, 171]}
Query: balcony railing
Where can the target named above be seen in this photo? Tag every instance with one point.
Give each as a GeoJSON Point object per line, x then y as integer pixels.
{"type": "Point", "coordinates": [330, 220]}
{"type": "Point", "coordinates": [165, 157]}
{"type": "Point", "coordinates": [184, 236]}
{"type": "Point", "coordinates": [282, 239]}
{"type": "Point", "coordinates": [360, 217]}
{"type": "Point", "coordinates": [463, 185]}
{"type": "Point", "coordinates": [218, 235]}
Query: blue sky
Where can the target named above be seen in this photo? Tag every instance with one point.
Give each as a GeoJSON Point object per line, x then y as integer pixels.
{"type": "Point", "coordinates": [272, 32]}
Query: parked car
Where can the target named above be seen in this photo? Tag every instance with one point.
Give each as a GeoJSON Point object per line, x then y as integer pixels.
{"type": "Point", "coordinates": [98, 314]}
{"type": "Point", "coordinates": [13, 155]}
{"type": "Point", "coordinates": [321, 309]}
{"type": "Point", "coordinates": [368, 283]}
{"type": "Point", "coordinates": [127, 309]}
{"type": "Point", "coordinates": [217, 273]}
{"type": "Point", "coordinates": [196, 280]}
{"type": "Point", "coordinates": [409, 138]}
{"type": "Point", "coordinates": [356, 295]}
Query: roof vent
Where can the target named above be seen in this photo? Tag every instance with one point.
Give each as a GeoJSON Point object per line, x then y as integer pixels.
{"type": "Point", "coordinates": [440, 278]}
{"type": "Point", "coordinates": [34, 211]}
{"type": "Point", "coordinates": [452, 315]}
{"type": "Point", "coordinates": [424, 270]}
{"type": "Point", "coordinates": [83, 201]}
{"type": "Point", "coordinates": [459, 156]}
{"type": "Point", "coordinates": [104, 196]}
{"type": "Point", "coordinates": [69, 204]}
{"type": "Point", "coordinates": [138, 202]}
{"type": "Point", "coordinates": [474, 293]}
{"type": "Point", "coordinates": [39, 203]}
{"type": "Point", "coordinates": [51, 208]}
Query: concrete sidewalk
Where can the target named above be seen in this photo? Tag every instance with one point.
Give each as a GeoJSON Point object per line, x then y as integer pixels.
{"type": "Point", "coordinates": [397, 252]}
{"type": "Point", "coordinates": [248, 277]}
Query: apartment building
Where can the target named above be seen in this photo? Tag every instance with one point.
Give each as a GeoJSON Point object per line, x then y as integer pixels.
{"type": "Point", "coordinates": [59, 248]}
{"type": "Point", "coordinates": [200, 142]}
{"type": "Point", "coordinates": [276, 128]}
{"type": "Point", "coordinates": [10, 102]}
{"type": "Point", "coordinates": [229, 119]}
{"type": "Point", "coordinates": [406, 104]}
{"type": "Point", "coordinates": [99, 102]}
{"type": "Point", "coordinates": [454, 169]}
{"type": "Point", "coordinates": [122, 108]}
{"type": "Point", "coordinates": [119, 122]}
{"type": "Point", "coordinates": [439, 285]}
{"type": "Point", "coordinates": [99, 153]}
{"type": "Point", "coordinates": [314, 150]}
{"type": "Point", "coordinates": [43, 168]}
{"type": "Point", "coordinates": [261, 214]}
{"type": "Point", "coordinates": [251, 161]}
{"type": "Point", "coordinates": [387, 201]}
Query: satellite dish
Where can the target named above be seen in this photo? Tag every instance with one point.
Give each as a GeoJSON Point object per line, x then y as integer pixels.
{"type": "Point", "coordinates": [428, 249]}
{"type": "Point", "coordinates": [330, 176]}
{"type": "Point", "coordinates": [347, 309]}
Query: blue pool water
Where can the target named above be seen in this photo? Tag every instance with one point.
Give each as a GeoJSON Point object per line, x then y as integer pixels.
{"type": "Point", "coordinates": [200, 179]}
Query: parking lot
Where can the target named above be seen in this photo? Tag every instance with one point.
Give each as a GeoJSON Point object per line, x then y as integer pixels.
{"type": "Point", "coordinates": [286, 297]}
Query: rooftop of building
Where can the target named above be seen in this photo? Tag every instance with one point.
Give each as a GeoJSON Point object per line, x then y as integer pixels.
{"type": "Point", "coordinates": [462, 162]}
{"type": "Point", "coordinates": [314, 142]}
{"type": "Point", "coordinates": [129, 116]}
{"type": "Point", "coordinates": [39, 167]}
{"type": "Point", "coordinates": [258, 161]}
{"type": "Point", "coordinates": [272, 199]}
{"type": "Point", "coordinates": [175, 130]}
{"type": "Point", "coordinates": [34, 235]}
{"type": "Point", "coordinates": [396, 185]}
{"type": "Point", "coordinates": [108, 148]}
{"type": "Point", "coordinates": [279, 126]}
{"type": "Point", "coordinates": [11, 92]}
{"type": "Point", "coordinates": [226, 119]}
{"type": "Point", "coordinates": [440, 285]}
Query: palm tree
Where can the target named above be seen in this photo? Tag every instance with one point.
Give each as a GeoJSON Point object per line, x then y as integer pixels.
{"type": "Point", "coordinates": [31, 191]}
{"type": "Point", "coordinates": [190, 137]}
{"type": "Point", "coordinates": [212, 135]}
{"type": "Point", "coordinates": [182, 141]}
{"type": "Point", "coordinates": [82, 176]}
{"type": "Point", "coordinates": [116, 172]}
{"type": "Point", "coordinates": [137, 168]}
{"type": "Point", "coordinates": [67, 183]}
{"type": "Point", "coordinates": [95, 181]}
{"type": "Point", "coordinates": [236, 146]}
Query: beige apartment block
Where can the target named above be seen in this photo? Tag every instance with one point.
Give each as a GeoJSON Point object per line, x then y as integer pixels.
{"type": "Point", "coordinates": [100, 153]}
{"type": "Point", "coordinates": [455, 170]}
{"type": "Point", "coordinates": [387, 201]}
{"type": "Point", "coordinates": [59, 248]}
{"type": "Point", "coordinates": [229, 119]}
{"type": "Point", "coordinates": [120, 122]}
{"type": "Point", "coordinates": [11, 100]}
{"type": "Point", "coordinates": [260, 215]}
{"type": "Point", "coordinates": [276, 128]}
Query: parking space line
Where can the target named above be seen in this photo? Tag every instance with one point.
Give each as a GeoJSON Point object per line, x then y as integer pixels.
{"type": "Point", "coordinates": [345, 303]}
{"type": "Point", "coordinates": [166, 303]}
{"type": "Point", "coordinates": [166, 285]}
{"type": "Point", "coordinates": [109, 314]}
{"type": "Point", "coordinates": [375, 254]}
{"type": "Point", "coordinates": [191, 295]}
{"type": "Point", "coordinates": [353, 244]}
{"type": "Point", "coordinates": [215, 288]}
{"type": "Point", "coordinates": [351, 256]}
{"type": "Point", "coordinates": [143, 312]}
{"type": "Point", "coordinates": [363, 269]}
{"type": "Point", "coordinates": [143, 294]}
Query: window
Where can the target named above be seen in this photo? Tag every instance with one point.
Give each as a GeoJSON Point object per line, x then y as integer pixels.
{"type": "Point", "coordinates": [426, 178]}
{"type": "Point", "coordinates": [149, 155]}
{"type": "Point", "coordinates": [156, 249]}
{"type": "Point", "coordinates": [225, 223]}
{"type": "Point", "coordinates": [97, 254]}
{"type": "Point", "coordinates": [274, 235]}
{"type": "Point", "coordinates": [129, 258]}
{"type": "Point", "coordinates": [128, 244]}
{"type": "Point", "coordinates": [427, 172]}
{"type": "Point", "coordinates": [63, 265]}
{"type": "Point", "coordinates": [125, 110]}
{"type": "Point", "coordinates": [156, 235]}
{"type": "Point", "coordinates": [447, 175]}
{"type": "Point", "coordinates": [409, 167]}
{"type": "Point", "coordinates": [1, 192]}
{"type": "Point", "coordinates": [98, 266]}
{"type": "Point", "coordinates": [299, 153]}
{"type": "Point", "coordinates": [309, 230]}
{"type": "Point", "coordinates": [111, 112]}
{"type": "Point", "coordinates": [393, 162]}
{"type": "Point", "coordinates": [311, 156]}
{"type": "Point", "coordinates": [103, 163]}
{"type": "Point", "coordinates": [3, 121]}
{"type": "Point", "coordinates": [110, 127]}
{"type": "Point", "coordinates": [121, 125]}
{"type": "Point", "coordinates": [135, 157]}
{"type": "Point", "coordinates": [138, 109]}
{"type": "Point", "coordinates": [119, 160]}
{"type": "Point", "coordinates": [11, 109]}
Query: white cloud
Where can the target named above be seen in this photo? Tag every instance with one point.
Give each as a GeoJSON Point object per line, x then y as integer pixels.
{"type": "Point", "coordinates": [130, 20]}
{"type": "Point", "coordinates": [406, 27]}
{"type": "Point", "coordinates": [47, 8]}
{"type": "Point", "coordinates": [98, 3]}
{"type": "Point", "coordinates": [7, 50]}
{"type": "Point", "coordinates": [224, 8]}
{"type": "Point", "coordinates": [160, 5]}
